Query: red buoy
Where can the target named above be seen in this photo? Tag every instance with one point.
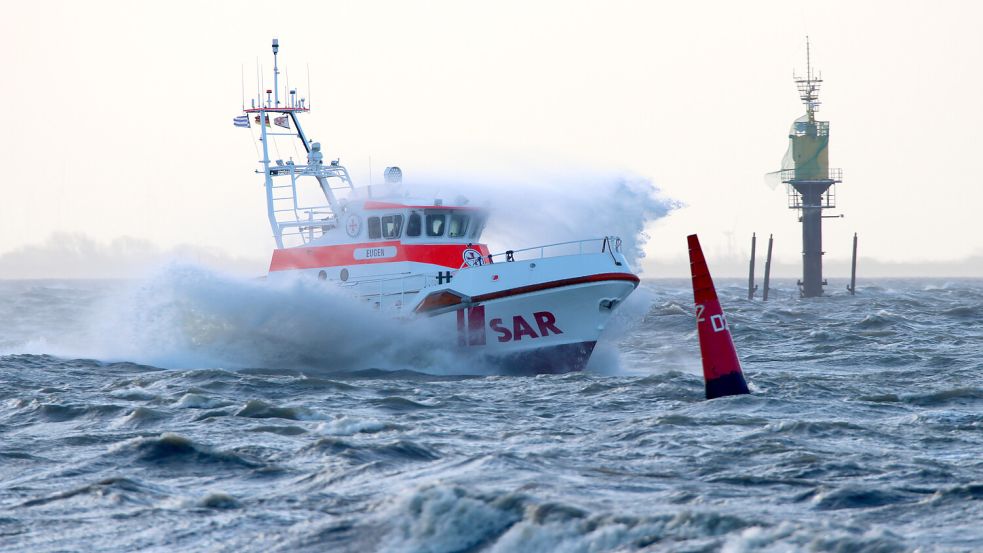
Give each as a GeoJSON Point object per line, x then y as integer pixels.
{"type": "Point", "coordinates": [721, 367]}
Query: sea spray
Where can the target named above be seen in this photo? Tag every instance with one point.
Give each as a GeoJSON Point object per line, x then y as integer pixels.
{"type": "Point", "coordinates": [190, 316]}
{"type": "Point", "coordinates": [544, 207]}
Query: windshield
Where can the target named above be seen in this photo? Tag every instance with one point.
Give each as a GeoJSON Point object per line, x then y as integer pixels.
{"type": "Point", "coordinates": [435, 224]}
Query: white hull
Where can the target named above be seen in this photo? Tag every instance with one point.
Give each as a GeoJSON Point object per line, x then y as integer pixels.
{"type": "Point", "coordinates": [548, 331]}
{"type": "Point", "coordinates": [541, 315]}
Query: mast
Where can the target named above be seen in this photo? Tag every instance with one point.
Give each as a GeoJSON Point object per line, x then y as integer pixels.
{"type": "Point", "coordinates": [294, 219]}
{"type": "Point", "coordinates": [276, 74]}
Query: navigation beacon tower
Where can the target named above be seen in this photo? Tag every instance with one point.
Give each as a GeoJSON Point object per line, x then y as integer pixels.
{"type": "Point", "coordinates": [810, 181]}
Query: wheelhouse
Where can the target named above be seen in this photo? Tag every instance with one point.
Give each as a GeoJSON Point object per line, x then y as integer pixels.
{"type": "Point", "coordinates": [424, 224]}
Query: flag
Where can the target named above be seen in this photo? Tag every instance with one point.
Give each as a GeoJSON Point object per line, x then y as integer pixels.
{"type": "Point", "coordinates": [256, 119]}
{"type": "Point", "coordinates": [282, 122]}
{"type": "Point", "coordinates": [241, 121]}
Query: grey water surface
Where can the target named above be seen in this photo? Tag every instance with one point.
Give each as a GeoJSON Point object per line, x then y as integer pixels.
{"type": "Point", "coordinates": [864, 431]}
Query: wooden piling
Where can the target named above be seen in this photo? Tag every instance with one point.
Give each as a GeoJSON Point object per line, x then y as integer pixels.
{"type": "Point", "coordinates": [853, 269]}
{"type": "Point", "coordinates": [750, 279]}
{"type": "Point", "coordinates": [764, 294]}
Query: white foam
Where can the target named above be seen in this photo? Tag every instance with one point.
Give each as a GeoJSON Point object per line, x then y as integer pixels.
{"type": "Point", "coordinates": [348, 426]}
{"type": "Point", "coordinates": [197, 401]}
{"type": "Point", "coordinates": [187, 316]}
{"type": "Point", "coordinates": [438, 519]}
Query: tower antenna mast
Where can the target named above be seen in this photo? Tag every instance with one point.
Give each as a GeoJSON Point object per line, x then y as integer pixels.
{"type": "Point", "coordinates": [811, 182]}
{"type": "Point", "coordinates": [809, 86]}
{"type": "Point", "coordinates": [808, 60]}
{"type": "Point", "coordinates": [276, 74]}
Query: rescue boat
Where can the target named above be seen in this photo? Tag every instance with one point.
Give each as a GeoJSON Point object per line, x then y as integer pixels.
{"type": "Point", "coordinates": [528, 311]}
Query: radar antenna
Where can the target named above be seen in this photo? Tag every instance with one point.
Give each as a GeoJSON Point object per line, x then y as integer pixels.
{"type": "Point", "coordinates": [809, 86]}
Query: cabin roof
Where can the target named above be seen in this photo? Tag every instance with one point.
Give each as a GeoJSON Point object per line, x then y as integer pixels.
{"type": "Point", "coordinates": [414, 204]}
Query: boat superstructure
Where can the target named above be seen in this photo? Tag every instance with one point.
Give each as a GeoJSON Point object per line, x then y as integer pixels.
{"type": "Point", "coordinates": [534, 310]}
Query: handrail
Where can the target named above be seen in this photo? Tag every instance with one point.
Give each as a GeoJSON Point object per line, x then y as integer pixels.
{"type": "Point", "coordinates": [608, 243]}
{"type": "Point", "coordinates": [388, 277]}
{"type": "Point", "coordinates": [356, 287]}
{"type": "Point", "coordinates": [309, 222]}
{"type": "Point", "coordinates": [832, 173]}
{"type": "Point", "coordinates": [544, 246]}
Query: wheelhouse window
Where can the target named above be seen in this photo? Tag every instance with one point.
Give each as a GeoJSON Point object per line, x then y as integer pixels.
{"type": "Point", "coordinates": [392, 225]}
{"type": "Point", "coordinates": [414, 224]}
{"type": "Point", "coordinates": [375, 228]}
{"type": "Point", "coordinates": [477, 225]}
{"type": "Point", "coordinates": [458, 225]}
{"type": "Point", "coordinates": [389, 226]}
{"type": "Point", "coordinates": [435, 224]}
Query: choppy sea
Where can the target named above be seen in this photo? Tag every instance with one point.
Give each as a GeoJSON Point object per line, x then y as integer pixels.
{"type": "Point", "coordinates": [197, 412]}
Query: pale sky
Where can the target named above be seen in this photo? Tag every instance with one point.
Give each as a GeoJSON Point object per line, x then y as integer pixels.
{"type": "Point", "coordinates": [119, 113]}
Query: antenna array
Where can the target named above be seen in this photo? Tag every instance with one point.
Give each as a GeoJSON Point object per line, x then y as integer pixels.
{"type": "Point", "coordinates": [809, 86]}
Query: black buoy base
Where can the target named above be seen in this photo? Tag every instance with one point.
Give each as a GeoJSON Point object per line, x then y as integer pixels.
{"type": "Point", "coordinates": [732, 384]}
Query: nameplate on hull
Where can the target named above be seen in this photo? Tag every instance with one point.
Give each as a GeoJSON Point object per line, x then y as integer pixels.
{"type": "Point", "coordinates": [375, 253]}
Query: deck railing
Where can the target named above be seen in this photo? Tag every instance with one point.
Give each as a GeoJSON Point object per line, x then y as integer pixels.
{"type": "Point", "coordinates": [609, 244]}
{"type": "Point", "coordinates": [391, 290]}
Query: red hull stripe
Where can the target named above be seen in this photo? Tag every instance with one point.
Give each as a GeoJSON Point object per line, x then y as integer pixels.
{"type": "Point", "coordinates": [424, 307]}
{"type": "Point", "coordinates": [445, 255]}
{"type": "Point", "coordinates": [628, 277]}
